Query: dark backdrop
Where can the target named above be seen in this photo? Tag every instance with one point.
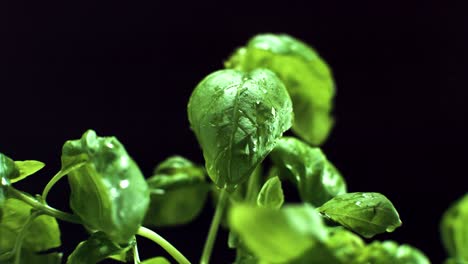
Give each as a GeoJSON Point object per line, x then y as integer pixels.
{"type": "Point", "coordinates": [128, 70]}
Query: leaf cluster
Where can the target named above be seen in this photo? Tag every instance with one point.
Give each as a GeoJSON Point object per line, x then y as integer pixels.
{"type": "Point", "coordinates": [239, 115]}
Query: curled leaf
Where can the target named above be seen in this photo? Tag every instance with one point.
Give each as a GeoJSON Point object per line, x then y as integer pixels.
{"type": "Point", "coordinates": [178, 192]}
{"type": "Point", "coordinates": [306, 76]}
{"type": "Point", "coordinates": [108, 192]}
{"type": "Point", "coordinates": [367, 214]}
{"type": "Point", "coordinates": [237, 118]}
{"type": "Point", "coordinates": [307, 167]}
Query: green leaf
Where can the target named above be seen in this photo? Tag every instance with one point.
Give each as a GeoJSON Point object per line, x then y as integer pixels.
{"type": "Point", "coordinates": [367, 214]}
{"type": "Point", "coordinates": [108, 192]}
{"type": "Point", "coordinates": [26, 168]}
{"type": "Point", "coordinates": [42, 234]}
{"type": "Point", "coordinates": [178, 192]}
{"type": "Point", "coordinates": [98, 247]}
{"type": "Point", "coordinates": [455, 261]}
{"type": "Point", "coordinates": [306, 76]}
{"type": "Point", "coordinates": [29, 257]}
{"type": "Point", "coordinates": [237, 118]}
{"type": "Point", "coordinates": [8, 169]}
{"type": "Point", "coordinates": [271, 194]}
{"type": "Point", "coordinates": [156, 260]}
{"type": "Point", "coordinates": [307, 167]}
{"type": "Point", "coordinates": [340, 247]}
{"type": "Point", "coordinates": [277, 235]}
{"type": "Point", "coordinates": [389, 252]}
{"type": "Point", "coordinates": [454, 229]}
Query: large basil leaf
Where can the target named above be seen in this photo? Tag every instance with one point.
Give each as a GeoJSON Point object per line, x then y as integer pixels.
{"type": "Point", "coordinates": [306, 76]}
{"type": "Point", "coordinates": [42, 234]}
{"type": "Point", "coordinates": [367, 214]}
{"type": "Point", "coordinates": [271, 195]}
{"type": "Point", "coordinates": [109, 192]}
{"type": "Point", "coordinates": [389, 252]}
{"type": "Point", "coordinates": [178, 192]}
{"type": "Point", "coordinates": [98, 247]}
{"type": "Point", "coordinates": [237, 118]}
{"type": "Point", "coordinates": [454, 229]}
{"type": "Point", "coordinates": [307, 167]}
{"type": "Point", "coordinates": [277, 235]}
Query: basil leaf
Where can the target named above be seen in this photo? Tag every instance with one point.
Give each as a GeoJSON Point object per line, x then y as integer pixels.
{"type": "Point", "coordinates": [454, 229]}
{"type": "Point", "coordinates": [178, 192]}
{"type": "Point", "coordinates": [367, 214]}
{"type": "Point", "coordinates": [29, 257]}
{"type": "Point", "coordinates": [340, 247]}
{"type": "Point", "coordinates": [108, 192]}
{"type": "Point", "coordinates": [307, 167]}
{"type": "Point", "coordinates": [271, 195]}
{"type": "Point", "coordinates": [237, 118]}
{"type": "Point", "coordinates": [26, 168]}
{"type": "Point", "coordinates": [156, 260]}
{"type": "Point", "coordinates": [306, 76]}
{"type": "Point", "coordinates": [277, 235]}
{"type": "Point", "coordinates": [8, 169]}
{"type": "Point", "coordinates": [42, 234]}
{"type": "Point", "coordinates": [98, 247]}
{"type": "Point", "coordinates": [455, 261]}
{"type": "Point", "coordinates": [389, 252]}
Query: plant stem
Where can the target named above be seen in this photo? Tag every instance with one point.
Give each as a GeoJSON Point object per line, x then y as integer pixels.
{"type": "Point", "coordinates": [153, 236]}
{"type": "Point", "coordinates": [59, 176]}
{"type": "Point", "coordinates": [42, 206]}
{"type": "Point", "coordinates": [22, 234]}
{"type": "Point", "coordinates": [208, 248]}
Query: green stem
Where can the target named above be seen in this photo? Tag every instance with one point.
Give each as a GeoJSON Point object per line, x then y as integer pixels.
{"type": "Point", "coordinates": [208, 248]}
{"type": "Point", "coordinates": [22, 234]}
{"type": "Point", "coordinates": [153, 236]}
{"type": "Point", "coordinates": [59, 176]}
{"type": "Point", "coordinates": [44, 208]}
{"type": "Point", "coordinates": [136, 255]}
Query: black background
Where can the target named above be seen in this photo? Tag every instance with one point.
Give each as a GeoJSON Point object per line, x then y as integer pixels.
{"type": "Point", "coordinates": [128, 70]}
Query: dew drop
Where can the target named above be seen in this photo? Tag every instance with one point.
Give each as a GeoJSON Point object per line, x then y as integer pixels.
{"type": "Point", "coordinates": [114, 193]}
{"type": "Point", "coordinates": [124, 161]}
{"type": "Point", "coordinates": [358, 203]}
{"type": "Point", "coordinates": [273, 112]}
{"type": "Point", "coordinates": [366, 195]}
{"type": "Point", "coordinates": [124, 184]}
